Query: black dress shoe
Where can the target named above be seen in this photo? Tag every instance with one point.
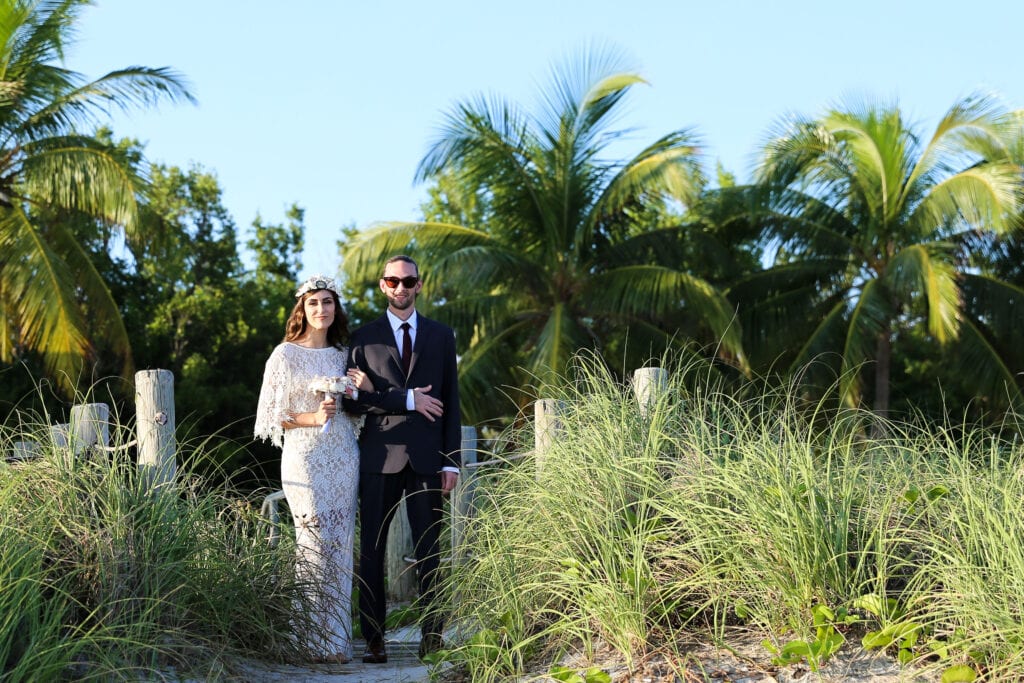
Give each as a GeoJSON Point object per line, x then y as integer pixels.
{"type": "Point", "coordinates": [430, 642]}
{"type": "Point", "coordinates": [375, 653]}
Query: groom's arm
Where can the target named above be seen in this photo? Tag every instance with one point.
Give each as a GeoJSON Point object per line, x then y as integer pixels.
{"type": "Point", "coordinates": [450, 398]}
{"type": "Point", "coordinates": [384, 398]}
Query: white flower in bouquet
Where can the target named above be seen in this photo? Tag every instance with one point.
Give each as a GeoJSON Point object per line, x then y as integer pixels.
{"type": "Point", "coordinates": [333, 386]}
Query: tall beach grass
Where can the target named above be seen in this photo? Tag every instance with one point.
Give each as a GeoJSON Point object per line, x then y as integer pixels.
{"type": "Point", "coordinates": [106, 578]}
{"type": "Point", "coordinates": [707, 516]}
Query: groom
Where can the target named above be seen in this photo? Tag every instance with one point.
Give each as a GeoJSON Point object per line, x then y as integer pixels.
{"type": "Point", "coordinates": [408, 447]}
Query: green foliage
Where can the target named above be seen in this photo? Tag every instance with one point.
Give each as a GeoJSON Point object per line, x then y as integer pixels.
{"type": "Point", "coordinates": [278, 248]}
{"type": "Point", "coordinates": [536, 245]}
{"type": "Point", "coordinates": [591, 675]}
{"type": "Point", "coordinates": [960, 673]}
{"type": "Point", "coordinates": [363, 300]}
{"type": "Point", "coordinates": [816, 651]}
{"type": "Point", "coordinates": [106, 578]}
{"type": "Point", "coordinates": [194, 310]}
{"type": "Point", "coordinates": [872, 224]}
{"type": "Point", "coordinates": [189, 306]}
{"type": "Point", "coordinates": [897, 631]}
{"type": "Point", "coordinates": [53, 302]}
{"type": "Point", "coordinates": [705, 513]}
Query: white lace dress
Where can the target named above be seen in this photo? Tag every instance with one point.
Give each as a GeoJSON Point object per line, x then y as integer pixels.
{"type": "Point", "coordinates": [320, 476]}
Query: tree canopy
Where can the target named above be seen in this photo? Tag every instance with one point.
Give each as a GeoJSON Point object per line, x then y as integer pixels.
{"type": "Point", "coordinates": [546, 263]}
{"type": "Point", "coordinates": [52, 167]}
{"type": "Point", "coordinates": [871, 226]}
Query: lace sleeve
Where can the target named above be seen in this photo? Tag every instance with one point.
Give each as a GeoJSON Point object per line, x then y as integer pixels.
{"type": "Point", "coordinates": [273, 404]}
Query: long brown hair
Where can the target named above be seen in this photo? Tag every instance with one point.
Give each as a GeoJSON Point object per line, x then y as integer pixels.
{"type": "Point", "coordinates": [295, 327]}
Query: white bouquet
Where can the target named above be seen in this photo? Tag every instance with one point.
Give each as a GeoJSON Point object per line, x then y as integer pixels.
{"type": "Point", "coordinates": [333, 386]}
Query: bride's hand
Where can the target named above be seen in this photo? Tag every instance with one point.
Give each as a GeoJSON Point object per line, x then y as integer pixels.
{"type": "Point", "coordinates": [328, 407]}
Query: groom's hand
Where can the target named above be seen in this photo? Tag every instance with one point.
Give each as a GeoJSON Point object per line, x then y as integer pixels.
{"type": "Point", "coordinates": [426, 405]}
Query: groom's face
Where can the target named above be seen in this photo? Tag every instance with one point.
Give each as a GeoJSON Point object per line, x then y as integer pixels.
{"type": "Point", "coordinates": [400, 297]}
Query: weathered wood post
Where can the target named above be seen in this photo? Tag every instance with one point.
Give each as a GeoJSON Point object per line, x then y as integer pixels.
{"type": "Point", "coordinates": [154, 424]}
{"type": "Point", "coordinates": [399, 570]}
{"type": "Point", "coordinates": [89, 426]}
{"type": "Point", "coordinates": [461, 505]}
{"type": "Point", "coordinates": [24, 450]}
{"type": "Point", "coordinates": [272, 514]}
{"type": "Point", "coordinates": [59, 435]}
{"type": "Point", "coordinates": [649, 385]}
{"type": "Point", "coordinates": [547, 427]}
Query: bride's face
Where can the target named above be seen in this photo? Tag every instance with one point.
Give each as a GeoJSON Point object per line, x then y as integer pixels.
{"type": "Point", "coordinates": [319, 308]}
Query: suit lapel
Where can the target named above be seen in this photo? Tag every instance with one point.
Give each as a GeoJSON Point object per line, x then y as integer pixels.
{"type": "Point", "coordinates": [422, 333]}
{"type": "Point", "coordinates": [387, 336]}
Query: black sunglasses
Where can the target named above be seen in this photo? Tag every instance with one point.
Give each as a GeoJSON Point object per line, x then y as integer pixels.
{"type": "Point", "coordinates": [409, 282]}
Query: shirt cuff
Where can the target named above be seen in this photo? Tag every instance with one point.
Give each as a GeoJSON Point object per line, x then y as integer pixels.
{"type": "Point", "coordinates": [450, 469]}
{"type": "Point", "coordinates": [410, 401]}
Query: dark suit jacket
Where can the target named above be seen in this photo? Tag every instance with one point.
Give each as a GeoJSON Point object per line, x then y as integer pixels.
{"type": "Point", "coordinates": [389, 426]}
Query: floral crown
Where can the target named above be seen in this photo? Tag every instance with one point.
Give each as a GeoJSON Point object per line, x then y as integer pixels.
{"type": "Point", "coordinates": [315, 283]}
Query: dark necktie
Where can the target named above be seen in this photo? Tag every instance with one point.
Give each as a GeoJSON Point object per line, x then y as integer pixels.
{"type": "Point", "coordinates": [406, 347]}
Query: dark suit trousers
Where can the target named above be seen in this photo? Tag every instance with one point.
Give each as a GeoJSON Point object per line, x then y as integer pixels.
{"type": "Point", "coordinates": [379, 496]}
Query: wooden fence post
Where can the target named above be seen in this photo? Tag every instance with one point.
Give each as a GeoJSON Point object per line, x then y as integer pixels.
{"type": "Point", "coordinates": [59, 434]}
{"type": "Point", "coordinates": [461, 505]}
{"type": "Point", "coordinates": [400, 571]}
{"type": "Point", "coordinates": [272, 513]}
{"type": "Point", "coordinates": [23, 450]}
{"type": "Point", "coordinates": [154, 424]}
{"type": "Point", "coordinates": [90, 426]}
{"type": "Point", "coordinates": [546, 427]}
{"type": "Point", "coordinates": [649, 384]}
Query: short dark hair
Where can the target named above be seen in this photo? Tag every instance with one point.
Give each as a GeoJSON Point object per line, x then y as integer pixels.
{"type": "Point", "coordinates": [401, 257]}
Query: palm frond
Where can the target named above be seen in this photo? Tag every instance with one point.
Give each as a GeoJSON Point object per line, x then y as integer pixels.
{"type": "Point", "coordinates": [584, 91]}
{"type": "Point", "coordinates": [488, 364]}
{"type": "Point", "coordinates": [50, 168]}
{"type": "Point", "coordinates": [559, 337]}
{"type": "Point", "coordinates": [820, 275]}
{"type": "Point", "coordinates": [71, 173]}
{"type": "Point", "coordinates": [790, 155]}
{"type": "Point", "coordinates": [475, 315]}
{"type": "Point", "coordinates": [872, 157]}
{"type": "Point", "coordinates": [929, 270]}
{"type": "Point", "coordinates": [975, 128]}
{"type": "Point", "coordinates": [645, 341]}
{"type": "Point", "coordinates": [95, 298]}
{"type": "Point", "coordinates": [982, 197]}
{"type": "Point", "coordinates": [995, 303]}
{"type": "Point", "coordinates": [646, 292]}
{"type": "Point", "coordinates": [452, 256]}
{"type": "Point", "coordinates": [671, 165]}
{"type": "Point", "coordinates": [124, 89]}
{"type": "Point", "coordinates": [675, 245]}
{"type": "Point", "coordinates": [38, 290]}
{"type": "Point", "coordinates": [818, 353]}
{"type": "Point", "coordinates": [985, 368]}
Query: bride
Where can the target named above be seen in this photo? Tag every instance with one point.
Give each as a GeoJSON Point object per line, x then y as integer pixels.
{"type": "Point", "coordinates": [299, 412]}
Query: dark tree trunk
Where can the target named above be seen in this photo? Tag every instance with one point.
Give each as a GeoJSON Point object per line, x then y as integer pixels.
{"type": "Point", "coordinates": [883, 366]}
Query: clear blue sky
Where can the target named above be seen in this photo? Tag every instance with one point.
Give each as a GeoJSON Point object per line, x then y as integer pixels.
{"type": "Point", "coordinates": [333, 104]}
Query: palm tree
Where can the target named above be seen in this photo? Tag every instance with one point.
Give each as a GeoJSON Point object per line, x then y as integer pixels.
{"type": "Point", "coordinates": [50, 292]}
{"type": "Point", "coordinates": [550, 265]}
{"type": "Point", "coordinates": [872, 228]}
